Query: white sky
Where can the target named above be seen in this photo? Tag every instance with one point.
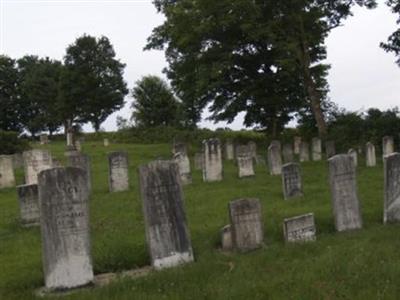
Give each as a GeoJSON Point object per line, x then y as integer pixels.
{"type": "Point", "coordinates": [362, 74]}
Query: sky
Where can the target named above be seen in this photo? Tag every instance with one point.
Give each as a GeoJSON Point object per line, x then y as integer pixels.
{"type": "Point", "coordinates": [362, 75]}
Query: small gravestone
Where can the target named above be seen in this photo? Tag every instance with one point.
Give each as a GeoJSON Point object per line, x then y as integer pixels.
{"type": "Point", "coordinates": [212, 168]}
{"type": "Point", "coordinates": [229, 150]}
{"type": "Point", "coordinates": [300, 228]}
{"type": "Point", "coordinates": [184, 167]}
{"type": "Point", "coordinates": [44, 139]}
{"type": "Point", "coordinates": [296, 144]}
{"type": "Point", "coordinates": [316, 149]}
{"type": "Point", "coordinates": [198, 161]}
{"type": "Point", "coordinates": [78, 146]}
{"type": "Point", "coordinates": [330, 149]}
{"type": "Point", "coordinates": [36, 161]}
{"type": "Point", "coordinates": [18, 161]}
{"type": "Point", "coordinates": [106, 142]}
{"type": "Point", "coordinates": [354, 155]}
{"type": "Point", "coordinates": [28, 198]}
{"type": "Point", "coordinates": [274, 160]}
{"type": "Point", "coordinates": [387, 145]}
{"type": "Point", "coordinates": [287, 152]}
{"type": "Point", "coordinates": [304, 152]}
{"type": "Point", "coordinates": [245, 165]}
{"type": "Point", "coordinates": [64, 209]}
{"type": "Point", "coordinates": [7, 178]}
{"type": "Point", "coordinates": [226, 238]}
{"type": "Point", "coordinates": [167, 232]}
{"type": "Point", "coordinates": [345, 203]}
{"type": "Point", "coordinates": [246, 224]}
{"type": "Point", "coordinates": [118, 175]}
{"type": "Point", "coordinates": [82, 161]}
{"type": "Point", "coordinates": [370, 155]}
{"type": "Point", "coordinates": [391, 212]}
{"type": "Point", "coordinates": [291, 181]}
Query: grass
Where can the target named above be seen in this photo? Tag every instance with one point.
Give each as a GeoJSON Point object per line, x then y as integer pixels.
{"type": "Point", "coordinates": [363, 264]}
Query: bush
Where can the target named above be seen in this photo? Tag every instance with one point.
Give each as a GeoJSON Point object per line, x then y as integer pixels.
{"type": "Point", "coordinates": [10, 143]}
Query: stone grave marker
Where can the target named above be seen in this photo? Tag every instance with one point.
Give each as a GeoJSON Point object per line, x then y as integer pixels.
{"type": "Point", "coordinates": [253, 150]}
{"type": "Point", "coordinates": [330, 149]}
{"type": "Point", "coordinates": [106, 142]}
{"type": "Point", "coordinates": [287, 152]}
{"type": "Point", "coordinates": [242, 150]}
{"type": "Point", "coordinates": [44, 139]}
{"type": "Point", "coordinates": [274, 160]}
{"type": "Point", "coordinates": [118, 173]}
{"type": "Point", "coordinates": [300, 228]}
{"type": "Point", "coordinates": [70, 140]}
{"type": "Point", "coordinates": [229, 150]}
{"type": "Point", "coordinates": [370, 155]}
{"type": "Point", "coordinates": [36, 161]}
{"type": "Point", "coordinates": [354, 155]}
{"type": "Point", "coordinates": [184, 167]}
{"type": "Point", "coordinates": [245, 166]}
{"type": "Point", "coordinates": [391, 211]}
{"type": "Point", "coordinates": [198, 161]}
{"type": "Point", "coordinates": [7, 177]}
{"type": "Point", "coordinates": [167, 232]}
{"type": "Point", "coordinates": [316, 149]}
{"type": "Point", "coordinates": [296, 144]}
{"type": "Point", "coordinates": [226, 238]}
{"type": "Point", "coordinates": [28, 198]}
{"type": "Point", "coordinates": [212, 168]}
{"type": "Point", "coordinates": [18, 161]}
{"type": "Point", "coordinates": [82, 161]}
{"type": "Point", "coordinates": [291, 181]}
{"type": "Point", "coordinates": [387, 145]}
{"type": "Point", "coordinates": [178, 147]}
{"type": "Point", "coordinates": [304, 152]}
{"type": "Point", "coordinates": [277, 144]}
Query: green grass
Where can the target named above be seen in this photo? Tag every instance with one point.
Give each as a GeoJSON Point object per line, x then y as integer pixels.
{"type": "Point", "coordinates": [363, 264]}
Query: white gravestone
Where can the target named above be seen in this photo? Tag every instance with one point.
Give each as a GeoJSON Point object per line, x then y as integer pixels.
{"type": "Point", "coordinates": [387, 145]}
{"type": "Point", "coordinates": [370, 155]}
{"type": "Point", "coordinates": [300, 228]}
{"type": "Point", "coordinates": [245, 166]}
{"type": "Point", "coordinates": [354, 155]}
{"type": "Point", "coordinates": [36, 161]}
{"type": "Point", "coordinates": [184, 167]}
{"type": "Point", "coordinates": [106, 142]}
{"type": "Point", "coordinates": [391, 211]}
{"type": "Point", "coordinates": [118, 172]}
{"type": "Point", "coordinates": [7, 177]}
{"type": "Point", "coordinates": [316, 149]}
{"type": "Point", "coordinates": [212, 168]}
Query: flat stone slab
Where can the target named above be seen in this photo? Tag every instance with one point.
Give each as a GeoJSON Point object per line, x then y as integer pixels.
{"type": "Point", "coordinates": [300, 228]}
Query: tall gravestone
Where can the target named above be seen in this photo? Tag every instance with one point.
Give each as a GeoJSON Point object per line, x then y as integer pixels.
{"type": "Point", "coordinates": [300, 228]}
{"type": "Point", "coordinates": [70, 140]}
{"type": "Point", "coordinates": [246, 224]}
{"type": "Point", "coordinates": [198, 161]}
{"type": "Point", "coordinates": [64, 209]}
{"type": "Point", "coordinates": [287, 152]}
{"type": "Point", "coordinates": [44, 139]}
{"type": "Point", "coordinates": [330, 149]}
{"type": "Point", "coordinates": [184, 167]}
{"type": "Point", "coordinates": [36, 161]}
{"type": "Point", "coordinates": [212, 168]}
{"type": "Point", "coordinates": [391, 211]}
{"type": "Point", "coordinates": [28, 198]}
{"type": "Point", "coordinates": [291, 181]}
{"type": "Point", "coordinates": [354, 155]}
{"type": "Point", "coordinates": [370, 155]}
{"type": "Point", "coordinates": [7, 178]}
{"type": "Point", "coordinates": [118, 171]}
{"type": "Point", "coordinates": [80, 160]}
{"type": "Point", "coordinates": [274, 160]}
{"type": "Point", "coordinates": [245, 166]}
{"type": "Point", "coordinates": [304, 152]}
{"type": "Point", "coordinates": [316, 149]}
{"type": "Point", "coordinates": [229, 150]}
{"type": "Point", "coordinates": [387, 145]}
{"type": "Point", "coordinates": [167, 232]}
{"type": "Point", "coordinates": [296, 144]}
{"type": "Point", "coordinates": [345, 203]}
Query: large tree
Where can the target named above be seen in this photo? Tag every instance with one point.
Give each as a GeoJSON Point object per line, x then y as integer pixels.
{"type": "Point", "coordinates": [393, 42]}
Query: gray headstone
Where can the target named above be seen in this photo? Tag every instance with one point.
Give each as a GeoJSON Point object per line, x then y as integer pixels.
{"type": "Point", "coordinates": [277, 144]}
{"type": "Point", "coordinates": [316, 149]}
{"type": "Point", "coordinates": [345, 203]}
{"type": "Point", "coordinates": [291, 181]}
{"type": "Point", "coordinates": [245, 166]}
{"type": "Point", "coordinates": [118, 175]}
{"type": "Point", "coordinates": [391, 212]}
{"type": "Point", "coordinates": [78, 146]}
{"type": "Point", "coordinates": [82, 161]}
{"type": "Point", "coordinates": [64, 209]}
{"type": "Point", "coordinates": [330, 149]}
{"type": "Point", "coordinates": [106, 143]}
{"type": "Point", "coordinates": [370, 155]}
{"type": "Point", "coordinates": [70, 139]}
{"type": "Point", "coordinates": [229, 150]}
{"type": "Point", "coordinates": [300, 228]}
{"type": "Point", "coordinates": [198, 161]}
{"type": "Point", "coordinates": [44, 139]}
{"type": "Point", "coordinates": [167, 233]}
{"type": "Point", "coordinates": [354, 155]}
{"type": "Point", "coordinates": [7, 178]}
{"type": "Point", "coordinates": [28, 198]}
{"type": "Point", "coordinates": [36, 161]}
{"type": "Point", "coordinates": [226, 238]}
{"type": "Point", "coordinates": [287, 152]}
{"type": "Point", "coordinates": [246, 224]}
{"type": "Point", "coordinates": [387, 145]}
{"type": "Point", "coordinates": [184, 167]}
{"type": "Point", "coordinates": [304, 152]}
{"type": "Point", "coordinates": [212, 168]}
{"type": "Point", "coordinates": [253, 150]}
{"type": "Point", "coordinates": [242, 150]}
{"type": "Point", "coordinates": [274, 160]}
{"type": "Point", "coordinates": [296, 144]}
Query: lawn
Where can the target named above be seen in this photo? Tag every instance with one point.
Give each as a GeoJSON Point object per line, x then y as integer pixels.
{"type": "Point", "coordinates": [363, 264]}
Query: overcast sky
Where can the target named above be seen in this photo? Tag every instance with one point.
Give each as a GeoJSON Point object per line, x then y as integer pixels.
{"type": "Point", "coordinates": [362, 74]}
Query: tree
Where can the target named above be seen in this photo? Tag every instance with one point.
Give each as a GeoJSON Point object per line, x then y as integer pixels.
{"type": "Point", "coordinates": [155, 104]}
{"type": "Point", "coordinates": [92, 86]}
{"type": "Point", "coordinates": [393, 43]}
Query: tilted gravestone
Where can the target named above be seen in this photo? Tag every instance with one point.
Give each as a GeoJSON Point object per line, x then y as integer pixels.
{"type": "Point", "coordinates": [44, 139]}
{"type": "Point", "coordinates": [291, 181]}
{"type": "Point", "coordinates": [226, 238]}
{"type": "Point", "coordinates": [167, 232]}
{"type": "Point", "coordinates": [118, 172]}
{"type": "Point", "coordinates": [64, 209]}
{"type": "Point", "coordinates": [345, 203]}
{"type": "Point", "coordinates": [370, 155]}
{"type": "Point", "coordinates": [304, 152]}
{"type": "Point", "coordinates": [7, 177]}
{"type": "Point", "coordinates": [36, 161]}
{"type": "Point", "coordinates": [296, 144]}
{"type": "Point", "coordinates": [330, 149]}
{"type": "Point", "coordinates": [391, 212]}
{"type": "Point", "coordinates": [229, 150]}
{"type": "Point", "coordinates": [28, 198]}
{"type": "Point", "coordinates": [246, 224]}
{"type": "Point", "coordinates": [274, 160]}
{"type": "Point", "coordinates": [245, 166]}
{"type": "Point", "coordinates": [212, 168]}
{"type": "Point", "coordinates": [198, 161]}
{"type": "Point", "coordinates": [387, 145]}
{"type": "Point", "coordinates": [80, 160]}
{"type": "Point", "coordinates": [287, 152]}
{"type": "Point", "coordinates": [354, 155]}
{"type": "Point", "coordinates": [316, 149]}
{"type": "Point", "coordinates": [184, 167]}
{"type": "Point", "coordinates": [300, 228]}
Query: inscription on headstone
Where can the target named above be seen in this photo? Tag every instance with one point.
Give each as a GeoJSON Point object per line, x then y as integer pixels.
{"type": "Point", "coordinates": [242, 150]}
{"type": "Point", "coordinates": [316, 149]}
{"type": "Point", "coordinates": [29, 204]}
{"type": "Point", "coordinates": [274, 160]}
{"type": "Point", "coordinates": [245, 165]}
{"type": "Point", "coordinates": [118, 175]}
{"type": "Point", "coordinates": [370, 155]}
{"type": "Point", "coordinates": [212, 168]}
{"type": "Point", "coordinates": [304, 152]}
{"type": "Point", "coordinates": [36, 161]}
{"type": "Point", "coordinates": [287, 152]}
{"type": "Point", "coordinates": [391, 211]}
{"type": "Point", "coordinates": [184, 167]}
{"type": "Point", "coordinates": [291, 181]}
{"type": "Point", "coordinates": [300, 229]}
{"type": "Point", "coordinates": [7, 178]}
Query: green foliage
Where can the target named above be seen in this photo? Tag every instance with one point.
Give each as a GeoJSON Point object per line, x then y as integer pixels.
{"type": "Point", "coordinates": [10, 143]}
{"type": "Point", "coordinates": [393, 42]}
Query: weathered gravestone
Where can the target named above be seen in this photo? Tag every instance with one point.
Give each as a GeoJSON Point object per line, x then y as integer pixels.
{"type": "Point", "coordinates": [64, 209]}
{"type": "Point", "coordinates": [18, 161]}
{"type": "Point", "coordinates": [167, 233]}
{"type": "Point", "coordinates": [198, 161]}
{"type": "Point", "coordinates": [304, 152]}
{"type": "Point", "coordinates": [245, 166]}
{"type": "Point", "coordinates": [277, 144]}
{"type": "Point", "coordinates": [391, 211]}
{"type": "Point", "coordinates": [242, 150]}
{"type": "Point", "coordinates": [178, 147]}
{"type": "Point", "coordinates": [274, 160]}
{"type": "Point", "coordinates": [246, 224]}
{"type": "Point", "coordinates": [296, 144]}
{"type": "Point", "coordinates": [7, 178]}
{"type": "Point", "coordinates": [226, 238]}
{"type": "Point", "coordinates": [36, 161]}
{"type": "Point", "coordinates": [118, 175]}
{"type": "Point", "coordinates": [345, 203]}
{"type": "Point", "coordinates": [300, 228]}
{"type": "Point", "coordinates": [291, 181]}
{"type": "Point", "coordinates": [212, 168]}
{"type": "Point", "coordinates": [70, 140]}
{"type": "Point", "coordinates": [106, 142]}
{"type": "Point", "coordinates": [78, 146]}
{"type": "Point", "coordinates": [253, 150]}
{"type": "Point", "coordinates": [287, 152]}
{"type": "Point", "coordinates": [354, 155]}
{"type": "Point", "coordinates": [387, 145]}
{"type": "Point", "coordinates": [28, 198]}
{"type": "Point", "coordinates": [44, 139]}
{"type": "Point", "coordinates": [316, 149]}
{"type": "Point", "coordinates": [229, 150]}
{"type": "Point", "coordinates": [82, 161]}
{"type": "Point", "coordinates": [370, 155]}
{"type": "Point", "coordinates": [184, 167]}
{"type": "Point", "coordinates": [330, 149]}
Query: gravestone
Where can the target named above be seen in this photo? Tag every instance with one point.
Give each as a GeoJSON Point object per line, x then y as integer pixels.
{"type": "Point", "coordinates": [242, 150]}
{"type": "Point", "coordinates": [291, 181]}
{"type": "Point", "coordinates": [391, 211]}
{"type": "Point", "coordinates": [287, 152]}
{"type": "Point", "coordinates": [28, 198]}
{"type": "Point", "coordinates": [274, 160]}
{"type": "Point", "coordinates": [387, 145]}
{"type": "Point", "coordinates": [36, 161]}
{"type": "Point", "coordinates": [178, 147]}
{"type": "Point", "coordinates": [44, 139]}
{"type": "Point", "coordinates": [18, 161]}
{"type": "Point", "coordinates": [345, 203]}
{"type": "Point", "coordinates": [7, 178]}
{"type": "Point", "coordinates": [296, 144]}
{"type": "Point", "coordinates": [330, 149]}
{"type": "Point", "coordinates": [245, 166]}
{"type": "Point", "coordinates": [300, 228]}
{"type": "Point", "coordinates": [226, 238]}
{"type": "Point", "coordinates": [253, 150]}
{"type": "Point", "coordinates": [82, 161]}
{"type": "Point", "coordinates": [277, 144]}
{"type": "Point", "coordinates": [354, 155]}
{"type": "Point", "coordinates": [229, 150]}
{"type": "Point", "coordinates": [316, 149]}
{"type": "Point", "coordinates": [70, 140]}
{"type": "Point", "coordinates": [167, 232]}
{"type": "Point", "coordinates": [118, 174]}
{"type": "Point", "coordinates": [212, 168]}
{"type": "Point", "coordinates": [304, 152]}
{"type": "Point", "coordinates": [246, 224]}
{"type": "Point", "coordinates": [198, 161]}
{"type": "Point", "coordinates": [64, 209]}
{"type": "Point", "coordinates": [370, 155]}
{"type": "Point", "coordinates": [106, 142]}
{"type": "Point", "coordinates": [184, 167]}
{"type": "Point", "coordinates": [78, 146]}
